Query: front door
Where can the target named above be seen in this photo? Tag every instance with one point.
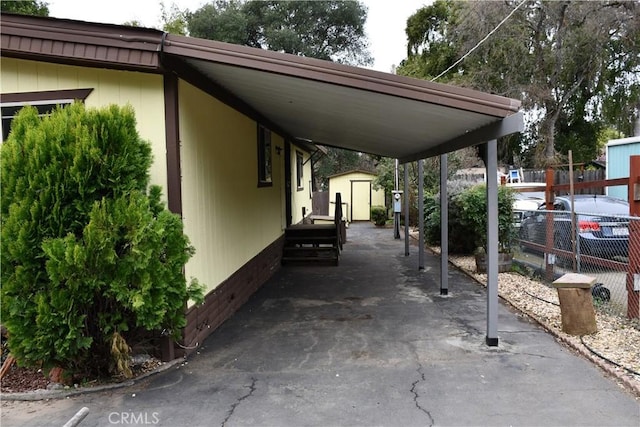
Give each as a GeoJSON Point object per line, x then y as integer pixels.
{"type": "Point", "coordinates": [360, 200]}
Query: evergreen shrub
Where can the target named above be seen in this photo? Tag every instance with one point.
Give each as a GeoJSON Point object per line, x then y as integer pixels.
{"type": "Point", "coordinates": [467, 219]}
{"type": "Point", "coordinates": [89, 254]}
{"type": "Point", "coordinates": [473, 205]}
{"type": "Point", "coordinates": [379, 215]}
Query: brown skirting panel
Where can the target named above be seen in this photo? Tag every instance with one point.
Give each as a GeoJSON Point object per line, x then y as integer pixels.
{"type": "Point", "coordinates": [229, 296]}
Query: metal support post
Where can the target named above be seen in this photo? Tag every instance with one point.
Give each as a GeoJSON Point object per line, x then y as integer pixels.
{"type": "Point", "coordinates": [492, 242]}
{"type": "Point", "coordinates": [444, 227]}
{"type": "Point", "coordinates": [396, 214]}
{"type": "Point", "coordinates": [406, 209]}
{"type": "Point", "coordinates": [421, 214]}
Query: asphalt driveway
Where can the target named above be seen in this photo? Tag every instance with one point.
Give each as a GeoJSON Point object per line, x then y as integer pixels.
{"type": "Point", "coordinates": [368, 343]}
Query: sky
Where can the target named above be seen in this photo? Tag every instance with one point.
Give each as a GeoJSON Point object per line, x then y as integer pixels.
{"type": "Point", "coordinates": [386, 20]}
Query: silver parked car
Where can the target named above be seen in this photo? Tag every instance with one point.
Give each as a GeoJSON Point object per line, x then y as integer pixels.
{"type": "Point", "coordinates": [602, 225]}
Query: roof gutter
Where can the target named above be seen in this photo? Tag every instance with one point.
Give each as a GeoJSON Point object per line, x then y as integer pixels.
{"type": "Point", "coordinates": [79, 43]}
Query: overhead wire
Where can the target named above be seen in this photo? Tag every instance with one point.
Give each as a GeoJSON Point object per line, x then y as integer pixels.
{"type": "Point", "coordinates": [463, 57]}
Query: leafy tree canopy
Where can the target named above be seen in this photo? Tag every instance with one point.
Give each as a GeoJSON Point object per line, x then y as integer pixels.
{"type": "Point", "coordinates": [174, 19]}
{"type": "Point", "coordinates": [26, 7]}
{"type": "Point", "coordinates": [575, 65]}
{"type": "Point", "coordinates": [330, 30]}
{"type": "Point", "coordinates": [338, 161]}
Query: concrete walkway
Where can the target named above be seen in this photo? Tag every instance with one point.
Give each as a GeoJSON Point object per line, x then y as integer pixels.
{"type": "Point", "coordinates": [368, 343]}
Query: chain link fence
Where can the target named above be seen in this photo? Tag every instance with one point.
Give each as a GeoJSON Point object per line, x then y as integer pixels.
{"type": "Point", "coordinates": [552, 243]}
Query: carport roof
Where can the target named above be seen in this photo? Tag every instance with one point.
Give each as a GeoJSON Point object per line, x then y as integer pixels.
{"type": "Point", "coordinates": [303, 98]}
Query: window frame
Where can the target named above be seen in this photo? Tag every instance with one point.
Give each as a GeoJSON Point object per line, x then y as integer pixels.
{"type": "Point", "coordinates": [265, 157]}
{"type": "Point", "coordinates": [299, 170]}
{"type": "Point", "coordinates": [50, 99]}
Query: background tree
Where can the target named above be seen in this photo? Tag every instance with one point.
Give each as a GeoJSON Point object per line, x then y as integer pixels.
{"type": "Point", "coordinates": [133, 23]}
{"type": "Point", "coordinates": [330, 30]}
{"type": "Point", "coordinates": [338, 161]}
{"type": "Point", "coordinates": [575, 65]}
{"type": "Point", "coordinates": [430, 46]}
{"type": "Point", "coordinates": [174, 19]}
{"type": "Point", "coordinates": [222, 20]}
{"type": "Point", "coordinates": [26, 7]}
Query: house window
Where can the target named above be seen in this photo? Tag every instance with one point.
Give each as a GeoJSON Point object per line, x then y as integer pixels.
{"type": "Point", "coordinates": [300, 170]}
{"type": "Point", "coordinates": [44, 102]}
{"type": "Point", "coordinates": [264, 157]}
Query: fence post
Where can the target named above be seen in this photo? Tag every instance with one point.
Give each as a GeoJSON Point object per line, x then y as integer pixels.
{"type": "Point", "coordinates": [633, 306]}
{"type": "Point", "coordinates": [549, 178]}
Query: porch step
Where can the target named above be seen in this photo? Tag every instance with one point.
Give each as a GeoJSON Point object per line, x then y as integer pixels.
{"type": "Point", "coordinates": [311, 240]}
{"type": "Point", "coordinates": [311, 244]}
{"type": "Point", "coordinates": [310, 255]}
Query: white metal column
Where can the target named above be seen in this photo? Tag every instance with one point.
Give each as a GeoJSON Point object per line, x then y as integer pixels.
{"type": "Point", "coordinates": [492, 242]}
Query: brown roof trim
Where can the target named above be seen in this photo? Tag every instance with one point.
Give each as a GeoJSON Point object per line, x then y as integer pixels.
{"type": "Point", "coordinates": [50, 95]}
{"type": "Point", "coordinates": [78, 42]}
{"type": "Point", "coordinates": [339, 74]}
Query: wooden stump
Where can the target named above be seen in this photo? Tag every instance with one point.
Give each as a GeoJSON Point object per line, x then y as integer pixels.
{"type": "Point", "coordinates": [576, 304]}
{"type": "Point", "coordinates": [8, 362]}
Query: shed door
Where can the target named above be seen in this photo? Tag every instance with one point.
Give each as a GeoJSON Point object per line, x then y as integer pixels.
{"type": "Point", "coordinates": [360, 200]}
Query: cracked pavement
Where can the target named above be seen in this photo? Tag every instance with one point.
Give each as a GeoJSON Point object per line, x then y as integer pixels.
{"type": "Point", "coordinates": [370, 342]}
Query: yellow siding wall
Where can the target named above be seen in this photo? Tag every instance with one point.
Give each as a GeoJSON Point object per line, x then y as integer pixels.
{"type": "Point", "coordinates": [227, 217]}
{"type": "Point", "coordinates": [342, 184]}
{"type": "Point", "coordinates": [300, 198]}
{"type": "Point", "coordinates": [144, 92]}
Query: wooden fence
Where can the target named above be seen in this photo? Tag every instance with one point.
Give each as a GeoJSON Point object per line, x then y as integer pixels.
{"type": "Point", "coordinates": [562, 177]}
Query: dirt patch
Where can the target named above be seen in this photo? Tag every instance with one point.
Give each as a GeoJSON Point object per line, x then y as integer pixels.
{"type": "Point", "coordinates": [19, 379]}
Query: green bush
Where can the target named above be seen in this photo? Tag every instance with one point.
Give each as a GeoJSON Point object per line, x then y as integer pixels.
{"type": "Point", "coordinates": [459, 233]}
{"type": "Point", "coordinates": [88, 256]}
{"type": "Point", "coordinates": [379, 215]}
{"type": "Point", "coordinates": [467, 219]}
{"type": "Point", "coordinates": [473, 204]}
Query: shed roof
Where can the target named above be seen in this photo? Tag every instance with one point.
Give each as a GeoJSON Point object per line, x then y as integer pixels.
{"type": "Point", "coordinates": [360, 171]}
{"type": "Point", "coordinates": [302, 98]}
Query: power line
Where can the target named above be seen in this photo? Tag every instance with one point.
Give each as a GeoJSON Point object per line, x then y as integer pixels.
{"type": "Point", "coordinates": [479, 43]}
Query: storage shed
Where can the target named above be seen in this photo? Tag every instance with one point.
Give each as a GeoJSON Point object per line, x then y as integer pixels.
{"type": "Point", "coordinates": [358, 194]}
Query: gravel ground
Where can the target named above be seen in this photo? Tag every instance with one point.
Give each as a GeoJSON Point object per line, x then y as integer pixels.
{"type": "Point", "coordinates": [617, 339]}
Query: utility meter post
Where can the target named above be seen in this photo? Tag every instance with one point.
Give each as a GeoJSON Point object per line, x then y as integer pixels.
{"type": "Point", "coordinates": [397, 209]}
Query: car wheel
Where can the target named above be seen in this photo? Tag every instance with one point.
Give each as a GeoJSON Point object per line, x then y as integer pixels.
{"type": "Point", "coordinates": [600, 293]}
